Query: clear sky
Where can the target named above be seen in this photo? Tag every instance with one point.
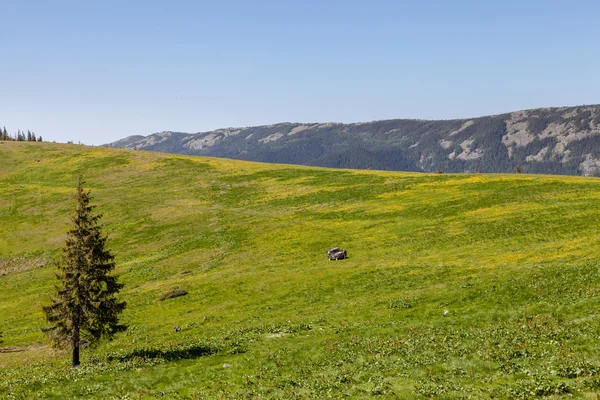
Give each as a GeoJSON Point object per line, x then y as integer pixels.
{"type": "Point", "coordinates": [97, 71]}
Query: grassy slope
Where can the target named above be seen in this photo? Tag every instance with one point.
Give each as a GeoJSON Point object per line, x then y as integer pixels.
{"type": "Point", "coordinates": [512, 258]}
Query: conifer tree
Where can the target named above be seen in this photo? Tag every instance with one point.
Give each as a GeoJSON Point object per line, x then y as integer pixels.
{"type": "Point", "coordinates": [84, 307]}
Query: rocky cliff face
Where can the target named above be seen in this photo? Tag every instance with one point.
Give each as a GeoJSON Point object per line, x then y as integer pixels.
{"type": "Point", "coordinates": [562, 140]}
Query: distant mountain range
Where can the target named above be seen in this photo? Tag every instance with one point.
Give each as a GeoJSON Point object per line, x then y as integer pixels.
{"type": "Point", "coordinates": [563, 140]}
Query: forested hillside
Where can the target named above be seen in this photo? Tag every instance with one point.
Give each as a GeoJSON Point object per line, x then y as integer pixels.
{"type": "Point", "coordinates": [548, 140]}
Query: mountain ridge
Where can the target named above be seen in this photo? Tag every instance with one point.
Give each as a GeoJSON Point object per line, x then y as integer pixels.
{"type": "Point", "coordinates": [552, 140]}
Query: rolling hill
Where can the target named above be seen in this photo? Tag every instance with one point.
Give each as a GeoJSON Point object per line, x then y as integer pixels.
{"type": "Point", "coordinates": [456, 285]}
{"type": "Point", "coordinates": [562, 141]}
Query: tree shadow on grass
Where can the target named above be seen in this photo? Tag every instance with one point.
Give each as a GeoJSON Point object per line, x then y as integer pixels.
{"type": "Point", "coordinates": [186, 352]}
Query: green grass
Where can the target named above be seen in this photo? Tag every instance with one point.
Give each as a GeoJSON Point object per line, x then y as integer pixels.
{"type": "Point", "coordinates": [512, 258]}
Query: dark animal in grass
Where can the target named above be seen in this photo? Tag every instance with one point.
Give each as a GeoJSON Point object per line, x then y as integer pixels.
{"type": "Point", "coordinates": [177, 292]}
{"type": "Point", "coordinates": [336, 254]}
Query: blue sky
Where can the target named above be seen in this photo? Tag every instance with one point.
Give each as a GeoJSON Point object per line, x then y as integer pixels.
{"type": "Point", "coordinates": [97, 71]}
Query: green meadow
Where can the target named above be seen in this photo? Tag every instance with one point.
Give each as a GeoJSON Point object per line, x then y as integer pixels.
{"type": "Point", "coordinates": [457, 285]}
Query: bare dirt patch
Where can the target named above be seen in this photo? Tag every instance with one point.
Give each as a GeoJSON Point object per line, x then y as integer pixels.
{"type": "Point", "coordinates": [462, 128]}
{"type": "Point", "coordinates": [271, 138]}
{"type": "Point", "coordinates": [299, 129]}
{"type": "Point", "coordinates": [17, 264]}
{"type": "Point", "coordinates": [446, 144]}
{"type": "Point", "coordinates": [516, 131]}
{"type": "Point", "coordinates": [12, 349]}
{"type": "Point", "coordinates": [207, 141]}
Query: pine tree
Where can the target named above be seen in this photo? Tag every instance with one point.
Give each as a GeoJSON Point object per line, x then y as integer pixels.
{"type": "Point", "coordinates": [84, 307]}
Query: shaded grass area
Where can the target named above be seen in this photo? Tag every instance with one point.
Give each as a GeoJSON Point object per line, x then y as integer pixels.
{"type": "Point", "coordinates": [457, 286]}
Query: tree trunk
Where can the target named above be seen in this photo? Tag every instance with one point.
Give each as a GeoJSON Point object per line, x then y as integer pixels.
{"type": "Point", "coordinates": [76, 342]}
{"type": "Point", "coordinates": [76, 355]}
